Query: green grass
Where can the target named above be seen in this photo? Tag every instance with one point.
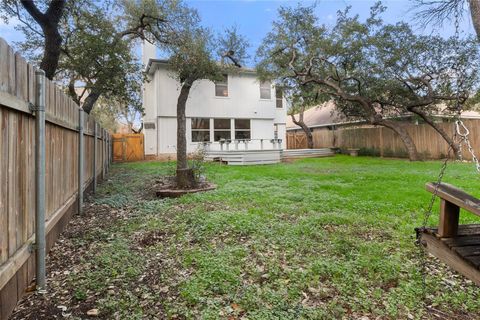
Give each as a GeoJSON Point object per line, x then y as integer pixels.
{"type": "Point", "coordinates": [323, 238]}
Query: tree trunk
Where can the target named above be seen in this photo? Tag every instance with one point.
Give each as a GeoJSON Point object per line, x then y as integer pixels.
{"type": "Point", "coordinates": [90, 100]}
{"type": "Point", "coordinates": [475, 14]}
{"type": "Point", "coordinates": [48, 21]}
{"type": "Point", "coordinates": [404, 136]}
{"type": "Point", "coordinates": [436, 127]}
{"type": "Point", "coordinates": [185, 176]}
{"type": "Point", "coordinates": [51, 55]}
{"type": "Point", "coordinates": [305, 128]}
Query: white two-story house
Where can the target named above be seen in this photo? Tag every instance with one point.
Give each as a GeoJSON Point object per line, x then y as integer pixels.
{"type": "Point", "coordinates": [238, 115]}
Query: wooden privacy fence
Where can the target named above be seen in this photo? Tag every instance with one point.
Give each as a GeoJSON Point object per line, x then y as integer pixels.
{"type": "Point", "coordinates": [128, 147]}
{"type": "Point", "coordinates": [19, 95]}
{"type": "Point", "coordinates": [381, 141]}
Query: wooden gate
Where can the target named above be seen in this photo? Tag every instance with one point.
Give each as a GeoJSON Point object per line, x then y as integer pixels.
{"type": "Point", "coordinates": [296, 140]}
{"type": "Point", "coordinates": [128, 147]}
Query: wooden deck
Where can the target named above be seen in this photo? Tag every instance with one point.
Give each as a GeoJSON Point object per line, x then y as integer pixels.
{"type": "Point", "coordinates": [269, 156]}
{"type": "Point", "coordinates": [461, 252]}
{"type": "Point", "coordinates": [244, 157]}
{"type": "Point", "coordinates": [290, 154]}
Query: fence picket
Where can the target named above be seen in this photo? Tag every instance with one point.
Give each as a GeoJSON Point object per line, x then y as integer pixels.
{"type": "Point", "coordinates": [3, 185]}
{"type": "Point", "coordinates": [383, 141]}
{"type": "Point", "coordinates": [17, 168]}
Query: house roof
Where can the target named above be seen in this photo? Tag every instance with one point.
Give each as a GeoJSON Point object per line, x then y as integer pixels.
{"type": "Point", "coordinates": [321, 115]}
{"type": "Point", "coordinates": [153, 63]}
{"type": "Point", "coordinates": [326, 115]}
{"type": "Point", "coordinates": [470, 114]}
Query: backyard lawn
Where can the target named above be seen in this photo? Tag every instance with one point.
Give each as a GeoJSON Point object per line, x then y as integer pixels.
{"type": "Point", "coordinates": [328, 238]}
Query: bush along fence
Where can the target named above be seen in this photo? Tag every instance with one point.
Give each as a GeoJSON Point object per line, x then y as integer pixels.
{"type": "Point", "coordinates": [383, 142]}
{"type": "Point", "coordinates": [51, 152]}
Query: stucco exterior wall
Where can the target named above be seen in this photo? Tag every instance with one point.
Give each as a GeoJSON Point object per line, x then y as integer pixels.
{"type": "Point", "coordinates": [243, 99]}
{"type": "Point", "coordinates": [262, 129]}
{"type": "Point", "coordinates": [243, 102]}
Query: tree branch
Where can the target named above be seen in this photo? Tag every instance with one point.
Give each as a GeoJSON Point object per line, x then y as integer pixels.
{"type": "Point", "coordinates": [32, 10]}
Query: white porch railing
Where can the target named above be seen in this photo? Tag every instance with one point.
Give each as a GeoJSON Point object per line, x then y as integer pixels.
{"type": "Point", "coordinates": [242, 145]}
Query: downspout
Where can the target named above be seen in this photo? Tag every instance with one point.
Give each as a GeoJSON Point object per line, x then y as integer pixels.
{"type": "Point", "coordinates": [40, 180]}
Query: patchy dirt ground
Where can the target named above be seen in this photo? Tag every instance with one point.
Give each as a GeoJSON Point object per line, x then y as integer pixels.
{"type": "Point", "coordinates": [272, 242]}
{"type": "Point", "coordinates": [64, 259]}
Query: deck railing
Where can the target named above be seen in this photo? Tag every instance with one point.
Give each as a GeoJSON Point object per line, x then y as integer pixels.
{"type": "Point", "coordinates": [242, 145]}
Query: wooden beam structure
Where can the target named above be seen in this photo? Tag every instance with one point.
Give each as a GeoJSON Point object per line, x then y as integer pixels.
{"type": "Point", "coordinates": [461, 253]}
{"type": "Point", "coordinates": [454, 244]}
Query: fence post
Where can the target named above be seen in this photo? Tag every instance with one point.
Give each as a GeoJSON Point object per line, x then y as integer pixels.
{"type": "Point", "coordinates": [80, 160]}
{"type": "Point", "coordinates": [103, 153]}
{"type": "Point", "coordinates": [95, 158]}
{"type": "Point", "coordinates": [106, 151]}
{"type": "Point", "coordinates": [105, 143]}
{"type": "Point", "coordinates": [109, 157]}
{"type": "Point", "coordinates": [40, 179]}
{"type": "Point", "coordinates": [110, 149]}
{"type": "Point", "coordinates": [381, 142]}
{"type": "Point", "coordinates": [334, 136]}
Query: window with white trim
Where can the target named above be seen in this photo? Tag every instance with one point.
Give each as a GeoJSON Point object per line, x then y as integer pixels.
{"type": "Point", "coordinates": [200, 129]}
{"type": "Point", "coordinates": [265, 90]}
{"type": "Point", "coordinates": [221, 87]}
{"type": "Point", "coordinates": [242, 129]}
{"type": "Point", "coordinates": [279, 97]}
{"type": "Point", "coordinates": [221, 129]}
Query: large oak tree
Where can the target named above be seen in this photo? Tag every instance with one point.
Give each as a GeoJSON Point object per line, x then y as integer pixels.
{"type": "Point", "coordinates": [301, 99]}
{"type": "Point", "coordinates": [200, 56]}
{"type": "Point", "coordinates": [89, 44]}
{"type": "Point", "coordinates": [373, 71]}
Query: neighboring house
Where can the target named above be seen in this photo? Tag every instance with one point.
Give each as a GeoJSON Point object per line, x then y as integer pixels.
{"type": "Point", "coordinates": [331, 130]}
{"type": "Point", "coordinates": [239, 111]}
{"type": "Point", "coordinates": [323, 115]}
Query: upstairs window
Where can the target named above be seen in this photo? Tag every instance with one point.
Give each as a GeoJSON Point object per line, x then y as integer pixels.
{"type": "Point", "coordinates": [200, 129]}
{"type": "Point", "coordinates": [221, 87]}
{"type": "Point", "coordinates": [279, 97]}
{"type": "Point", "coordinates": [242, 129]}
{"type": "Point", "coordinates": [221, 129]}
{"type": "Point", "coordinates": [265, 90]}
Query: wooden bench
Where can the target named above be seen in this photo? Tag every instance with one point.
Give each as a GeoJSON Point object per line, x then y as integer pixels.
{"type": "Point", "coordinates": [452, 199]}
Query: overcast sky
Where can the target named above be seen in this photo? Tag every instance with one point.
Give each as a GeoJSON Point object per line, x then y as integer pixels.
{"type": "Point", "coordinates": [254, 17]}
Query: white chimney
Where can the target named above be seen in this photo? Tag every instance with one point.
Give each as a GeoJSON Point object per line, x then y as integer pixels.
{"type": "Point", "coordinates": [149, 51]}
